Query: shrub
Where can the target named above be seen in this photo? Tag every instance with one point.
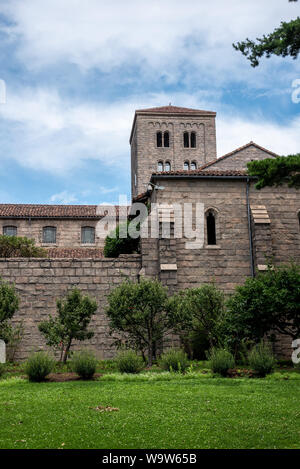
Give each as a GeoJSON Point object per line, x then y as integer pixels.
{"type": "Point", "coordinates": [17, 246]}
{"type": "Point", "coordinates": [38, 366]}
{"type": "Point", "coordinates": [2, 369]}
{"type": "Point", "coordinates": [174, 360]}
{"type": "Point", "coordinates": [129, 362]}
{"type": "Point", "coordinates": [221, 360]}
{"type": "Point", "coordinates": [114, 245]}
{"type": "Point", "coordinates": [84, 364]}
{"type": "Point", "coordinates": [261, 359]}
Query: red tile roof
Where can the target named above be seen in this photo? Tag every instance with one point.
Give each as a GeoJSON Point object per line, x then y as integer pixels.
{"type": "Point", "coordinates": [200, 172]}
{"type": "Point", "coordinates": [250, 144]}
{"type": "Point", "coordinates": [79, 253]}
{"type": "Point", "coordinates": [52, 211]}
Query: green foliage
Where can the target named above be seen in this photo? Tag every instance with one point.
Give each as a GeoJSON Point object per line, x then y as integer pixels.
{"type": "Point", "coordinates": [114, 245]}
{"type": "Point", "coordinates": [71, 323]}
{"type": "Point", "coordinates": [139, 310]}
{"type": "Point", "coordinates": [129, 362]}
{"type": "Point", "coordinates": [2, 369]}
{"type": "Point", "coordinates": [261, 359]}
{"type": "Point", "coordinates": [9, 304]}
{"type": "Point", "coordinates": [38, 366]}
{"type": "Point", "coordinates": [268, 302]}
{"type": "Point", "coordinates": [221, 360]}
{"type": "Point", "coordinates": [195, 343]}
{"type": "Point", "coordinates": [276, 171]}
{"type": "Point", "coordinates": [284, 41]}
{"type": "Point", "coordinates": [16, 246]}
{"type": "Point", "coordinates": [197, 309]}
{"type": "Point", "coordinates": [13, 335]}
{"type": "Point", "coordinates": [174, 360]}
{"type": "Point", "coordinates": [84, 364]}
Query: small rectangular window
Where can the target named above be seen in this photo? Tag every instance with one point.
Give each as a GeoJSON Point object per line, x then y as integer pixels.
{"type": "Point", "coordinates": [88, 235]}
{"type": "Point", "coordinates": [49, 234]}
{"type": "Point", "coordinates": [10, 230]}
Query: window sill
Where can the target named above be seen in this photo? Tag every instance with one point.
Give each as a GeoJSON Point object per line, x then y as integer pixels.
{"type": "Point", "coordinates": [49, 245]}
{"type": "Point", "coordinates": [212, 246]}
{"type": "Point", "coordinates": [88, 244]}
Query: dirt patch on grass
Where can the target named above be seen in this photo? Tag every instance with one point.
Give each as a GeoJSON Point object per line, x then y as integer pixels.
{"type": "Point", "coordinates": [62, 377]}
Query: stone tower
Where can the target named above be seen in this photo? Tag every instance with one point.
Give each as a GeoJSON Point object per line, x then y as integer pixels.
{"type": "Point", "coordinates": [169, 138]}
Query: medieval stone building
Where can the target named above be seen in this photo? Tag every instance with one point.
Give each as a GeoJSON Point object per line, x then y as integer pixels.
{"type": "Point", "coordinates": [173, 162]}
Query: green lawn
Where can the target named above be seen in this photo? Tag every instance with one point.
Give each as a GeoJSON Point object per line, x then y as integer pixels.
{"type": "Point", "coordinates": [200, 412]}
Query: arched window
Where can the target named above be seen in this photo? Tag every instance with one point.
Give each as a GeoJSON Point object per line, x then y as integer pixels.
{"type": "Point", "coordinates": [49, 234]}
{"type": "Point", "coordinates": [160, 166]}
{"type": "Point", "coordinates": [211, 229]}
{"type": "Point", "coordinates": [186, 140]}
{"type": "Point", "coordinates": [193, 139]}
{"type": "Point", "coordinates": [10, 230]}
{"type": "Point", "coordinates": [166, 139]}
{"type": "Point", "coordinates": [159, 139]}
{"type": "Point", "coordinates": [168, 166]}
{"type": "Point", "coordinates": [186, 165]}
{"type": "Point", "coordinates": [193, 165]}
{"type": "Point", "coordinates": [88, 235]}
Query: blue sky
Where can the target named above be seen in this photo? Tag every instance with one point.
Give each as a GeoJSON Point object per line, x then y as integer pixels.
{"type": "Point", "coordinates": [76, 71]}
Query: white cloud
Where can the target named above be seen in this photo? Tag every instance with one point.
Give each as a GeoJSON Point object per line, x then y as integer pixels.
{"type": "Point", "coordinates": [168, 37]}
{"type": "Point", "coordinates": [63, 198]}
{"type": "Point", "coordinates": [41, 130]}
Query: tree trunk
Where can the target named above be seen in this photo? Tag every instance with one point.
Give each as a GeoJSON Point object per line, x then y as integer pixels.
{"type": "Point", "coordinates": [67, 351]}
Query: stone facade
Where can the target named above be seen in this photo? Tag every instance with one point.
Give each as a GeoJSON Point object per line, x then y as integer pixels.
{"type": "Point", "coordinates": [251, 226]}
{"type": "Point", "coordinates": [39, 282]}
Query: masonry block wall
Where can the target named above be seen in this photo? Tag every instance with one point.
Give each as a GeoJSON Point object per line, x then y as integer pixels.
{"type": "Point", "coordinates": [39, 282]}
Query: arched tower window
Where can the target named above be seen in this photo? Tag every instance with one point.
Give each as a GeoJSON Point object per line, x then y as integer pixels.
{"type": "Point", "coordinates": [186, 166]}
{"type": "Point", "coordinates": [193, 165]}
{"type": "Point", "coordinates": [193, 139]}
{"type": "Point", "coordinates": [160, 166]}
{"type": "Point", "coordinates": [186, 140]}
{"type": "Point", "coordinates": [166, 139]}
{"type": "Point", "coordinates": [159, 139]}
{"type": "Point", "coordinates": [167, 166]}
{"type": "Point", "coordinates": [211, 229]}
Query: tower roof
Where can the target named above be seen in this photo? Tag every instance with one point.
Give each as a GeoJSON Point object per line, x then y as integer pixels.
{"type": "Point", "coordinates": [175, 110]}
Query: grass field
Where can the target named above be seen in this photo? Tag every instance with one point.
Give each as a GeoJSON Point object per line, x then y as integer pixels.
{"type": "Point", "coordinates": [165, 412]}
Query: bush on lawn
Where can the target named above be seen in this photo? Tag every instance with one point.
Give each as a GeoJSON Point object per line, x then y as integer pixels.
{"type": "Point", "coordinates": [221, 360]}
{"type": "Point", "coordinates": [261, 359]}
{"type": "Point", "coordinates": [84, 364]}
{"type": "Point", "coordinates": [129, 362]}
{"type": "Point", "coordinates": [38, 366]}
{"type": "Point", "coordinates": [2, 369]}
{"type": "Point", "coordinates": [174, 360]}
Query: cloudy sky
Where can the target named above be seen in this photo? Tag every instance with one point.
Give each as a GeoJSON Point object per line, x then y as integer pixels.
{"type": "Point", "coordinates": [75, 71]}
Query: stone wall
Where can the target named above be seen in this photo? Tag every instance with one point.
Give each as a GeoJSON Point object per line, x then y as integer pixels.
{"type": "Point", "coordinates": [39, 282]}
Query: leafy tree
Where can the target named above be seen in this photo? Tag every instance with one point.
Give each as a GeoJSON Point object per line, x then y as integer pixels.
{"type": "Point", "coordinates": [71, 323]}
{"type": "Point", "coordinates": [17, 246]}
{"type": "Point", "coordinates": [9, 304]}
{"type": "Point", "coordinates": [276, 171]}
{"type": "Point", "coordinates": [139, 310]}
{"type": "Point", "coordinates": [283, 41]}
{"type": "Point", "coordinates": [114, 245]}
{"type": "Point", "coordinates": [266, 304]}
{"type": "Point", "coordinates": [198, 309]}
